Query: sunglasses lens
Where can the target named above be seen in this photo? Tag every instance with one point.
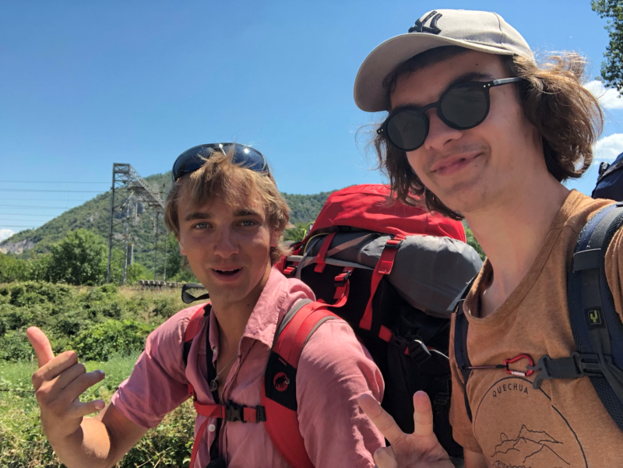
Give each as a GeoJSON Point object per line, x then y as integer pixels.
{"type": "Point", "coordinates": [407, 129]}
{"type": "Point", "coordinates": [194, 158]}
{"type": "Point", "coordinates": [465, 106]}
{"type": "Point", "coordinates": [249, 158]}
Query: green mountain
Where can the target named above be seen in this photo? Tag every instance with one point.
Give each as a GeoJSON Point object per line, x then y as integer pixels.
{"type": "Point", "coordinates": [94, 215]}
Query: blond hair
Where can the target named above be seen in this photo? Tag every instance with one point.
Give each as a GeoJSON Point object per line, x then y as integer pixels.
{"type": "Point", "coordinates": [220, 178]}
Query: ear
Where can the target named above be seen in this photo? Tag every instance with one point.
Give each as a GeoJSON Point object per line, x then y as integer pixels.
{"type": "Point", "coordinates": [179, 242]}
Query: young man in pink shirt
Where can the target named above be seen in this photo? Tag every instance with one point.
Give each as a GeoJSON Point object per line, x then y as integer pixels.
{"type": "Point", "coordinates": [228, 216]}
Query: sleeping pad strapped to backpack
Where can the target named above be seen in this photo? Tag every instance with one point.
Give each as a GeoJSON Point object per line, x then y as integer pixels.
{"type": "Point", "coordinates": [391, 271]}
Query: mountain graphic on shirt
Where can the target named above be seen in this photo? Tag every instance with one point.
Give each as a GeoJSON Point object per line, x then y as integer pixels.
{"type": "Point", "coordinates": [529, 448]}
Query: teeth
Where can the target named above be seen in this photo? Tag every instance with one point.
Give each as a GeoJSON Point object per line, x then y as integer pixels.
{"type": "Point", "coordinates": [227, 272]}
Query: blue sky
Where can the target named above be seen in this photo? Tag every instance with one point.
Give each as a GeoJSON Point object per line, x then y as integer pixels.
{"type": "Point", "coordinates": [87, 84]}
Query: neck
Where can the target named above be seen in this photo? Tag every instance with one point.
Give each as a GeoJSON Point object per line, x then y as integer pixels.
{"type": "Point", "coordinates": [232, 317]}
{"type": "Point", "coordinates": [512, 232]}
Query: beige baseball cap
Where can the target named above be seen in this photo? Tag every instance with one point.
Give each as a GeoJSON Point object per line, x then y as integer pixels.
{"type": "Point", "coordinates": [478, 30]}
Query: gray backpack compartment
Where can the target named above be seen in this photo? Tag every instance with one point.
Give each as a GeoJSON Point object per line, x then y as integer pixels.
{"type": "Point", "coordinates": [429, 272]}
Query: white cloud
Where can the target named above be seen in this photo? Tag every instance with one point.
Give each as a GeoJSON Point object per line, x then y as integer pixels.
{"type": "Point", "coordinates": [5, 234]}
{"type": "Point", "coordinates": [608, 148]}
{"type": "Point", "coordinates": [608, 97]}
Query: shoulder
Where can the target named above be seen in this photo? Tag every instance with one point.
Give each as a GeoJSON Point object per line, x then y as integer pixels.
{"type": "Point", "coordinates": [334, 348]}
{"type": "Point", "coordinates": [175, 326]}
{"type": "Point", "coordinates": [578, 209]}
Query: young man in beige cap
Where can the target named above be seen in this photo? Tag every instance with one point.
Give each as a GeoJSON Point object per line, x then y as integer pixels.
{"type": "Point", "coordinates": [479, 131]}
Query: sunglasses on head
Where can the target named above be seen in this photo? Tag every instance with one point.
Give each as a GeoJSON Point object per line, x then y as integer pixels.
{"type": "Point", "coordinates": [462, 106]}
{"type": "Point", "coordinates": [194, 158]}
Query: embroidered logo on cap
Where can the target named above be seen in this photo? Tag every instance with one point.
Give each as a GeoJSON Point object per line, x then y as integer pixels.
{"type": "Point", "coordinates": [419, 26]}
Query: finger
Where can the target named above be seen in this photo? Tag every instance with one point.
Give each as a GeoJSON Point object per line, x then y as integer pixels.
{"type": "Point", "coordinates": [41, 345]}
{"type": "Point", "coordinates": [81, 384]}
{"type": "Point", "coordinates": [69, 375]}
{"type": "Point", "coordinates": [54, 368]}
{"type": "Point", "coordinates": [380, 418]}
{"type": "Point", "coordinates": [79, 409]}
{"type": "Point", "coordinates": [422, 414]}
{"type": "Point", "coordinates": [384, 458]}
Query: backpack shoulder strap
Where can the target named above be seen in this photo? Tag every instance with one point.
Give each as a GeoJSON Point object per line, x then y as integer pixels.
{"type": "Point", "coordinates": [596, 326]}
{"type": "Point", "coordinates": [279, 386]}
{"type": "Point", "coordinates": [460, 344]}
{"type": "Point", "coordinates": [192, 330]}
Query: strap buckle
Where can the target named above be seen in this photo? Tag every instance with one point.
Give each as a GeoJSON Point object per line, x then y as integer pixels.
{"type": "Point", "coordinates": [573, 367]}
{"type": "Point", "coordinates": [342, 278]}
{"type": "Point", "coordinates": [393, 243]}
{"type": "Point", "coordinates": [233, 412]}
{"type": "Point", "coordinates": [260, 413]}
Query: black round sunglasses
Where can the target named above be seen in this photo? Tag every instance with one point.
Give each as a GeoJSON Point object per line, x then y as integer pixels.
{"type": "Point", "coordinates": [194, 158]}
{"type": "Point", "coordinates": [461, 106]}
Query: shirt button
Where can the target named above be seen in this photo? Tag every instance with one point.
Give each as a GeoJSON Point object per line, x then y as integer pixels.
{"type": "Point", "coordinates": [211, 428]}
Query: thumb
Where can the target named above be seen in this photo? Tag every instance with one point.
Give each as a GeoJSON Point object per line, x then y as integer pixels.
{"type": "Point", "coordinates": [41, 344]}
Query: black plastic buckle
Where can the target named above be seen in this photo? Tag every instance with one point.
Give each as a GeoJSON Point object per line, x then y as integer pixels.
{"type": "Point", "coordinates": [393, 244]}
{"type": "Point", "coordinates": [418, 351]}
{"type": "Point", "coordinates": [260, 413]}
{"type": "Point", "coordinates": [573, 367]}
{"type": "Point", "coordinates": [233, 412]}
{"type": "Point", "coordinates": [342, 278]}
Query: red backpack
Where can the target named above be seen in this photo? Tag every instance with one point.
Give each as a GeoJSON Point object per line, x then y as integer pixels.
{"type": "Point", "coordinates": [348, 260]}
{"type": "Point", "coordinates": [278, 399]}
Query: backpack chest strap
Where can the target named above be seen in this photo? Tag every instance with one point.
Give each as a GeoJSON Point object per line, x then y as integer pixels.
{"type": "Point", "coordinates": [231, 412]}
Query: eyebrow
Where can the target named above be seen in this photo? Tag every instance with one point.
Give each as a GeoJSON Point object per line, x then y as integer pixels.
{"type": "Point", "coordinates": [197, 215]}
{"type": "Point", "coordinates": [204, 215]}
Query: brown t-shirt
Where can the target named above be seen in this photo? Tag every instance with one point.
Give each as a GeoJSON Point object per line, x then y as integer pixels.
{"type": "Point", "coordinates": [562, 424]}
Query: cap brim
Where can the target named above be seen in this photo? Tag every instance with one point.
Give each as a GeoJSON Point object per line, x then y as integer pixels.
{"type": "Point", "coordinates": [369, 93]}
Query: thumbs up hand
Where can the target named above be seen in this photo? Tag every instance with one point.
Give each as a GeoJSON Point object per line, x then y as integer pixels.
{"type": "Point", "coordinates": [58, 384]}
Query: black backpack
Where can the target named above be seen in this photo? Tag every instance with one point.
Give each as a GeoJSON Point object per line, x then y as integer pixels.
{"type": "Point", "coordinates": [394, 288]}
{"type": "Point", "coordinates": [610, 180]}
{"type": "Point", "coordinates": [597, 327]}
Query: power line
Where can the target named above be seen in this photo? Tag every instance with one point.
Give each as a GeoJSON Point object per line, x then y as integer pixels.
{"type": "Point", "coordinates": [46, 182]}
{"type": "Point", "coordinates": [15, 226]}
{"type": "Point", "coordinates": [46, 199]}
{"type": "Point", "coordinates": [57, 191]}
{"type": "Point", "coordinates": [27, 214]}
{"type": "Point", "coordinates": [31, 206]}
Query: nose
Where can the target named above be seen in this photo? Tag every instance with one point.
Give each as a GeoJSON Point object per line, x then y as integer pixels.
{"type": "Point", "coordinates": [439, 133]}
{"type": "Point", "coordinates": [225, 243]}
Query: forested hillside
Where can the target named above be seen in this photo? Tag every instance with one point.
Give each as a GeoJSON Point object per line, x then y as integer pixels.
{"type": "Point", "coordinates": [94, 215]}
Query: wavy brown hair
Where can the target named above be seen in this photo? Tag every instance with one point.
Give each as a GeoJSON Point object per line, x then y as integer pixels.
{"type": "Point", "coordinates": [221, 178]}
{"type": "Point", "coordinates": [566, 115]}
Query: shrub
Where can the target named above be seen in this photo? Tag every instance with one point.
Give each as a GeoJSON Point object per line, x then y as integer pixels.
{"type": "Point", "coordinates": [31, 292]}
{"type": "Point", "coordinates": [14, 346]}
{"type": "Point", "coordinates": [79, 259]}
{"type": "Point", "coordinates": [102, 340]}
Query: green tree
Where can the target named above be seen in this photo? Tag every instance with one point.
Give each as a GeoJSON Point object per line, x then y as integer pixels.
{"type": "Point", "coordinates": [80, 258]}
{"type": "Point", "coordinates": [12, 269]}
{"type": "Point", "coordinates": [296, 233]}
{"type": "Point", "coordinates": [612, 67]}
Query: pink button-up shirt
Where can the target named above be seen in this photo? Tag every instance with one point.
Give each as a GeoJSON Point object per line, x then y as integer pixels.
{"type": "Point", "coordinates": [334, 369]}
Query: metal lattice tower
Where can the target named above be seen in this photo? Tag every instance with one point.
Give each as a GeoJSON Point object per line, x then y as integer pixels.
{"type": "Point", "coordinates": [129, 189]}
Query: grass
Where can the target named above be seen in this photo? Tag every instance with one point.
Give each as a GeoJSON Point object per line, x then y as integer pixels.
{"type": "Point", "coordinates": [22, 442]}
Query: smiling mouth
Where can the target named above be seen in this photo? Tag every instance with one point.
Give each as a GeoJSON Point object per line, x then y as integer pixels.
{"type": "Point", "coordinates": [227, 272]}
{"type": "Point", "coordinates": [454, 165]}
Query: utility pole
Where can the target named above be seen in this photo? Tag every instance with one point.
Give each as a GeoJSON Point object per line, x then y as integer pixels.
{"type": "Point", "coordinates": [156, 243]}
{"type": "Point", "coordinates": [128, 189]}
